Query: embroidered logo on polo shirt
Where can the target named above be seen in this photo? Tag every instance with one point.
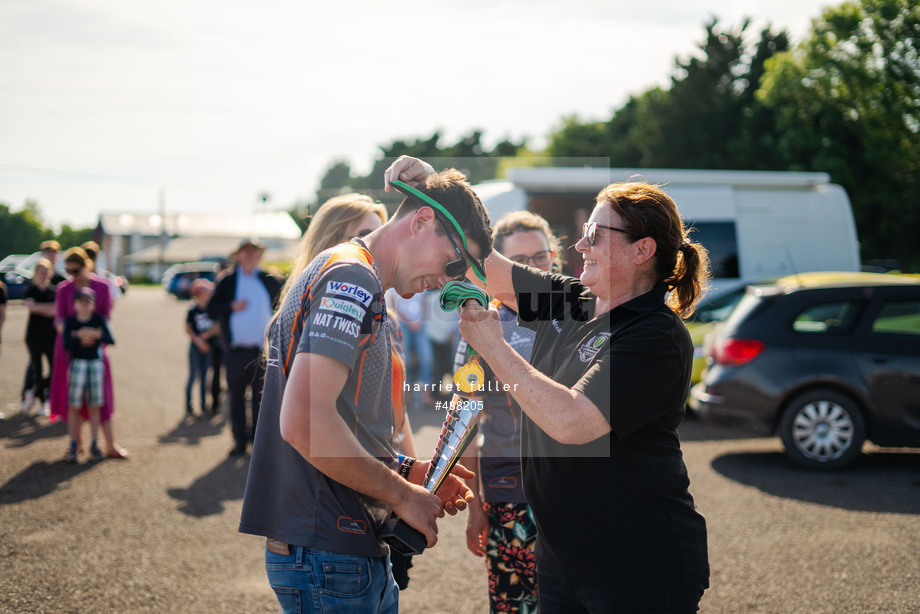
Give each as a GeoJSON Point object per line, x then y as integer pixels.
{"type": "Point", "coordinates": [350, 525]}
{"type": "Point", "coordinates": [592, 346]}
{"type": "Point", "coordinates": [503, 482]}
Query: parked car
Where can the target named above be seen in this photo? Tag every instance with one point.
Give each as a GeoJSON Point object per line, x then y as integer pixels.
{"type": "Point", "coordinates": [826, 366]}
{"type": "Point", "coordinates": [716, 306]}
{"type": "Point", "coordinates": [11, 262]}
{"type": "Point", "coordinates": [16, 280]}
{"type": "Point", "coordinates": [177, 280]}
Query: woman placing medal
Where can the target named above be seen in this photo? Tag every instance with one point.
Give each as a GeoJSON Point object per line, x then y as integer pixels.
{"type": "Point", "coordinates": [603, 396]}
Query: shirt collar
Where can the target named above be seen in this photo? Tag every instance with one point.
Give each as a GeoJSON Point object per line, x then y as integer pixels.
{"type": "Point", "coordinates": [650, 301]}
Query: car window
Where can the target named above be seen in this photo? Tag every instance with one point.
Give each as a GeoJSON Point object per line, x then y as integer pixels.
{"type": "Point", "coordinates": [745, 306]}
{"type": "Point", "coordinates": [717, 309]}
{"type": "Point", "coordinates": [824, 317]}
{"type": "Point", "coordinates": [898, 317]}
{"type": "Point", "coordinates": [721, 240]}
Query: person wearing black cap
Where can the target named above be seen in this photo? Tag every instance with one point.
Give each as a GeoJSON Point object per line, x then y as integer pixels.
{"type": "Point", "coordinates": [243, 303]}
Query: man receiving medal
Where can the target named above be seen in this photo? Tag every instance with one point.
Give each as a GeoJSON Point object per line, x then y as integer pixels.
{"type": "Point", "coordinates": [324, 477]}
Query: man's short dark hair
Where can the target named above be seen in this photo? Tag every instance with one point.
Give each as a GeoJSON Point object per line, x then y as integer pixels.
{"type": "Point", "coordinates": [451, 188]}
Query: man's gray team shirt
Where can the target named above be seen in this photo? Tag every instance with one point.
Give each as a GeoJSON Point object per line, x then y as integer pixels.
{"type": "Point", "coordinates": [336, 312]}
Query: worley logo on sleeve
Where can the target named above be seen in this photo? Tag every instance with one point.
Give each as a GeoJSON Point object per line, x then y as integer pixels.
{"type": "Point", "coordinates": [346, 308]}
{"type": "Point", "coordinates": [354, 291]}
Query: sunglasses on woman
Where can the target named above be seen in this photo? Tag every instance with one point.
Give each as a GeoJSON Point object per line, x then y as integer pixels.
{"type": "Point", "coordinates": [590, 231]}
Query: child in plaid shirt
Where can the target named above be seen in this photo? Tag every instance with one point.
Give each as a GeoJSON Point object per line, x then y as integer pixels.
{"type": "Point", "coordinates": [84, 333]}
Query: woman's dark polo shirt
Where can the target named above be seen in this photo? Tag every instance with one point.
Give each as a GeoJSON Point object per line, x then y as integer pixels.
{"type": "Point", "coordinates": [616, 509]}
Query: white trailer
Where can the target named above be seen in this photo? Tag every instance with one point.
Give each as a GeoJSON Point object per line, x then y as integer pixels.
{"type": "Point", "coordinates": [755, 224]}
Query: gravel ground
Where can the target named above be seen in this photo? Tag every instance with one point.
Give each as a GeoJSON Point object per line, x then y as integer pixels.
{"type": "Point", "coordinates": [157, 532]}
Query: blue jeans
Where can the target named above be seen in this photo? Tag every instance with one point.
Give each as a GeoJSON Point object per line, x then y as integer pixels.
{"type": "Point", "coordinates": [198, 364]}
{"type": "Point", "coordinates": [308, 581]}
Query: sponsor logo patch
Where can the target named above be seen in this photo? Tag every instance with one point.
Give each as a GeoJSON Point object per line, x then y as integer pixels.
{"type": "Point", "coordinates": [350, 525]}
{"type": "Point", "coordinates": [344, 307]}
{"type": "Point", "coordinates": [354, 291]}
{"type": "Point", "coordinates": [337, 323]}
{"type": "Point", "coordinates": [592, 346]}
{"type": "Point", "coordinates": [503, 482]}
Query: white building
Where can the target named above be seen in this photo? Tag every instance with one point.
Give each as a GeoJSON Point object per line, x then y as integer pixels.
{"type": "Point", "coordinates": [148, 243]}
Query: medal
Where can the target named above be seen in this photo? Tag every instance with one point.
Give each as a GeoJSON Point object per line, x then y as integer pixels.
{"type": "Point", "coordinates": [469, 377]}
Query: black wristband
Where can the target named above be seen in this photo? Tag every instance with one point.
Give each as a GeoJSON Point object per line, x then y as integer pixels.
{"type": "Point", "coordinates": [406, 466]}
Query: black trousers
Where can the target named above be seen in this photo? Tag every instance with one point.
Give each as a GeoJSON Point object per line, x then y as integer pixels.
{"type": "Point", "coordinates": [40, 378]}
{"type": "Point", "coordinates": [581, 596]}
{"type": "Point", "coordinates": [244, 371]}
{"type": "Point", "coordinates": [217, 362]}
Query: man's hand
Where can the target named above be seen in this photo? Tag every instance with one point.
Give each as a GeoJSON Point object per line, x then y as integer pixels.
{"type": "Point", "coordinates": [454, 494]}
{"type": "Point", "coordinates": [239, 305]}
{"type": "Point", "coordinates": [420, 510]}
{"type": "Point", "coordinates": [408, 170]}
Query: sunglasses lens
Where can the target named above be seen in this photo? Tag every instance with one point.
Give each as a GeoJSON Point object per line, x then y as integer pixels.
{"type": "Point", "coordinates": [456, 268]}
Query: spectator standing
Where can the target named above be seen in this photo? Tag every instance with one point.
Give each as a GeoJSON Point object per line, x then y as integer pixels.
{"type": "Point", "coordinates": [242, 304]}
{"type": "Point", "coordinates": [3, 296]}
{"type": "Point", "coordinates": [49, 251]}
{"type": "Point", "coordinates": [77, 266]}
{"type": "Point", "coordinates": [217, 352]}
{"type": "Point", "coordinates": [500, 523]}
{"type": "Point", "coordinates": [40, 333]}
{"type": "Point", "coordinates": [204, 335]}
{"type": "Point", "coordinates": [84, 333]}
{"type": "Point", "coordinates": [94, 252]}
{"type": "Point", "coordinates": [444, 333]}
{"type": "Point", "coordinates": [417, 351]}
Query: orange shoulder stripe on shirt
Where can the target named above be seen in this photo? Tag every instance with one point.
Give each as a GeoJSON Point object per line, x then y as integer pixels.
{"type": "Point", "coordinates": [345, 252]}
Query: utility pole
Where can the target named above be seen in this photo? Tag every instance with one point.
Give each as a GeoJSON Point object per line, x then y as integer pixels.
{"type": "Point", "coordinates": [162, 215]}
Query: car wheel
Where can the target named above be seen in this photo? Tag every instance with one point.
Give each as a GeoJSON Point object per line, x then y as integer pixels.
{"type": "Point", "coordinates": [822, 429]}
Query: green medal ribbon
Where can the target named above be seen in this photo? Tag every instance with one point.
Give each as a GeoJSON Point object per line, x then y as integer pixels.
{"type": "Point", "coordinates": [468, 378]}
{"type": "Point", "coordinates": [455, 293]}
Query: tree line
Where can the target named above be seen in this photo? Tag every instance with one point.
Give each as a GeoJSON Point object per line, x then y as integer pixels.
{"type": "Point", "coordinates": [21, 232]}
{"type": "Point", "coordinates": [845, 100]}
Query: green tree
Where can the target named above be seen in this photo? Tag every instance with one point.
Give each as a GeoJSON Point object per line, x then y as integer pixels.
{"type": "Point", "coordinates": [708, 118]}
{"type": "Point", "coordinates": [847, 101]}
{"type": "Point", "coordinates": [21, 231]}
{"type": "Point", "coordinates": [467, 154]}
{"type": "Point", "coordinates": [69, 236]}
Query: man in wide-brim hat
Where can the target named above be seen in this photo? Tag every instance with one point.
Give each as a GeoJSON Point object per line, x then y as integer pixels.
{"type": "Point", "coordinates": [243, 303]}
{"type": "Point", "coordinates": [252, 243]}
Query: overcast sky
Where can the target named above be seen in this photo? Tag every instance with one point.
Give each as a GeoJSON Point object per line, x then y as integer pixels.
{"type": "Point", "coordinates": [104, 103]}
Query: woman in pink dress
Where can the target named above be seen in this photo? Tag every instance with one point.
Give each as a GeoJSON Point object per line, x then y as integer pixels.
{"type": "Point", "coordinates": [77, 265]}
